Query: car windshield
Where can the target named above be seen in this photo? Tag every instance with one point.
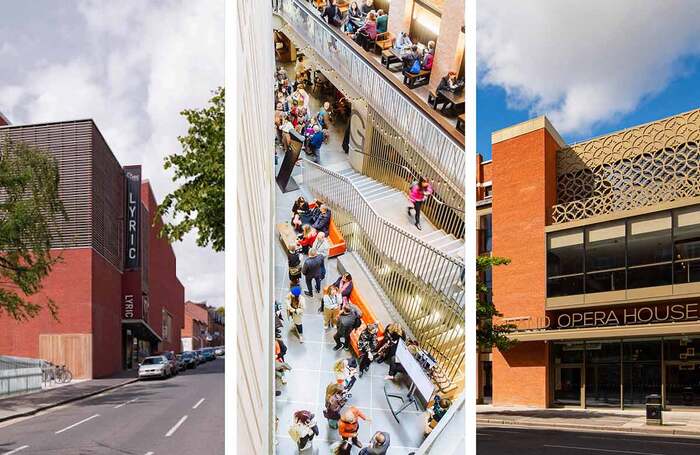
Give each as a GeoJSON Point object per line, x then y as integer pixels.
{"type": "Point", "coordinates": [153, 361]}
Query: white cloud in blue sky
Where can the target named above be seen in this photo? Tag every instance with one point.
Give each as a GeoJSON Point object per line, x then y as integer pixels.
{"type": "Point", "coordinates": [584, 63]}
{"type": "Point", "coordinates": [132, 66]}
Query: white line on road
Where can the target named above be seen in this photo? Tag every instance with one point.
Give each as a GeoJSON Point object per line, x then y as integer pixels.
{"type": "Point", "coordinates": [125, 403]}
{"type": "Point", "coordinates": [198, 403]}
{"type": "Point", "coordinates": [594, 449]}
{"type": "Point", "coordinates": [16, 450]}
{"type": "Point", "coordinates": [77, 423]}
{"type": "Point", "coordinates": [149, 453]}
{"type": "Point", "coordinates": [174, 428]}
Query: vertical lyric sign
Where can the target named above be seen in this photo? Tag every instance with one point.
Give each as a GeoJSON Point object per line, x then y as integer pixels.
{"type": "Point", "coordinates": [132, 217]}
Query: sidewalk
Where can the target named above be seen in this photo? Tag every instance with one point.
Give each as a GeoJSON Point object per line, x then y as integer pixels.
{"type": "Point", "coordinates": [29, 404]}
{"type": "Point", "coordinates": [615, 420]}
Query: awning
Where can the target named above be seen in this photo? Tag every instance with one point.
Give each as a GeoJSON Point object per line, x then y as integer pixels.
{"type": "Point", "coordinates": [141, 330]}
{"type": "Point", "coordinates": [589, 333]}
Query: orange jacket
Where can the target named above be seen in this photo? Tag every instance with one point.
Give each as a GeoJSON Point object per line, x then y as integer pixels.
{"type": "Point", "coordinates": [349, 430]}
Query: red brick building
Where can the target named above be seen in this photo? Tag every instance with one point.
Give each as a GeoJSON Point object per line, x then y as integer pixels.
{"type": "Point", "coordinates": [195, 329]}
{"type": "Point", "coordinates": [604, 280]}
{"type": "Point", "coordinates": [116, 289]}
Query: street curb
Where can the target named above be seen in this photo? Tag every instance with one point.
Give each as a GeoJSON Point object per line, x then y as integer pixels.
{"type": "Point", "coordinates": [644, 430]}
{"type": "Point", "coordinates": [66, 401]}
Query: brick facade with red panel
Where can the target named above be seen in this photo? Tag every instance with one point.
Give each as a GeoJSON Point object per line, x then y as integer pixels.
{"type": "Point", "coordinates": [89, 334]}
{"type": "Point", "coordinates": [524, 177]}
{"type": "Point", "coordinates": [193, 334]}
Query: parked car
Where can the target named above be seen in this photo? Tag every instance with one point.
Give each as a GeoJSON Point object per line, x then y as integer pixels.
{"type": "Point", "coordinates": [156, 366]}
{"type": "Point", "coordinates": [180, 362]}
{"type": "Point", "coordinates": [208, 354]}
{"type": "Point", "coordinates": [219, 351]}
{"type": "Point", "coordinates": [199, 356]}
{"type": "Point", "coordinates": [190, 359]}
{"type": "Point", "coordinates": [170, 355]}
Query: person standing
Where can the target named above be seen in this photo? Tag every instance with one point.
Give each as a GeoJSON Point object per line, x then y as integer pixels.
{"type": "Point", "coordinates": [387, 352]}
{"type": "Point", "coordinates": [418, 193]}
{"type": "Point", "coordinates": [293, 263]}
{"type": "Point", "coordinates": [295, 310]}
{"type": "Point", "coordinates": [349, 425]}
{"type": "Point", "coordinates": [315, 142]}
{"type": "Point", "coordinates": [331, 303]}
{"type": "Point", "coordinates": [335, 400]}
{"type": "Point", "coordinates": [303, 430]}
{"type": "Point", "coordinates": [378, 445]}
{"type": "Point", "coordinates": [322, 247]}
{"type": "Point", "coordinates": [312, 270]}
{"type": "Point", "coordinates": [348, 320]}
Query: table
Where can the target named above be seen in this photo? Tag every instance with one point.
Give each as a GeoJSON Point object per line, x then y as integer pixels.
{"type": "Point", "coordinates": [460, 123]}
{"type": "Point", "coordinates": [454, 100]}
{"type": "Point", "coordinates": [391, 57]}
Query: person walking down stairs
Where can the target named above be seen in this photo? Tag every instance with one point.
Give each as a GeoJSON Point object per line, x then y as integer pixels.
{"type": "Point", "coordinates": [417, 194]}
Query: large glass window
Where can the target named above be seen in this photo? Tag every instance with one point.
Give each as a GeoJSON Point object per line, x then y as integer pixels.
{"type": "Point", "coordinates": [605, 258]}
{"type": "Point", "coordinates": [565, 264]}
{"type": "Point", "coordinates": [682, 358]}
{"type": "Point", "coordinates": [603, 373]}
{"type": "Point", "coordinates": [641, 370]}
{"type": "Point", "coordinates": [568, 363]}
{"type": "Point", "coordinates": [649, 251]}
{"type": "Point", "coordinates": [686, 251]}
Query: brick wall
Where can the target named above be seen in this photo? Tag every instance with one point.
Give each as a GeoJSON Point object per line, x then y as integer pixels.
{"type": "Point", "coordinates": [524, 170]}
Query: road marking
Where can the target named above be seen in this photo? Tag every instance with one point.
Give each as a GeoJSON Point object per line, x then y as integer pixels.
{"type": "Point", "coordinates": [16, 450]}
{"type": "Point", "coordinates": [198, 403]}
{"type": "Point", "coordinates": [125, 403]}
{"type": "Point", "coordinates": [77, 423]}
{"type": "Point", "coordinates": [150, 453]}
{"type": "Point", "coordinates": [594, 449]}
{"type": "Point", "coordinates": [651, 440]}
{"type": "Point", "coordinates": [174, 428]}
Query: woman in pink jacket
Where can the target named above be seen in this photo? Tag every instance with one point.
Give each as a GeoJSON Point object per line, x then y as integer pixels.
{"type": "Point", "coordinates": [418, 193]}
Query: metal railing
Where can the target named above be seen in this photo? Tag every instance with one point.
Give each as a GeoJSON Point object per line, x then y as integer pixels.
{"type": "Point", "coordinates": [384, 144]}
{"type": "Point", "coordinates": [424, 285]}
{"type": "Point", "coordinates": [424, 133]}
{"type": "Point", "coordinates": [19, 375]}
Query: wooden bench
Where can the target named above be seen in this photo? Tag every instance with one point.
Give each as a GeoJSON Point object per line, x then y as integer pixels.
{"type": "Point", "coordinates": [416, 80]}
{"type": "Point", "coordinates": [460, 123]}
{"type": "Point", "coordinates": [287, 235]}
{"type": "Point", "coordinates": [389, 58]}
{"type": "Point", "coordinates": [434, 98]}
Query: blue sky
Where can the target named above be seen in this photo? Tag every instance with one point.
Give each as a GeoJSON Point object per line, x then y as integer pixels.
{"type": "Point", "coordinates": [592, 67]}
{"type": "Point", "coordinates": [493, 111]}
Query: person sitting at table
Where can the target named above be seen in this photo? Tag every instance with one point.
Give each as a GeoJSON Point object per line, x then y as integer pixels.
{"type": "Point", "coordinates": [353, 19]}
{"type": "Point", "coordinates": [300, 213]}
{"type": "Point", "coordinates": [448, 82]}
{"type": "Point", "coordinates": [368, 32]}
{"type": "Point", "coordinates": [367, 7]}
{"type": "Point", "coordinates": [410, 57]}
{"type": "Point", "coordinates": [332, 14]}
{"type": "Point", "coordinates": [307, 239]}
{"type": "Point", "coordinates": [428, 56]}
{"type": "Point", "coordinates": [403, 42]}
{"type": "Point", "coordinates": [382, 21]}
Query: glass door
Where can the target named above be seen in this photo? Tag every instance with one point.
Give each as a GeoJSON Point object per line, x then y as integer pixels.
{"type": "Point", "coordinates": [567, 385]}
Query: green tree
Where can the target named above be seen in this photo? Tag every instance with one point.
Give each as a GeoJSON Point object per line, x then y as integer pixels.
{"type": "Point", "coordinates": [221, 311]}
{"type": "Point", "coordinates": [30, 208]}
{"type": "Point", "coordinates": [199, 202]}
{"type": "Point", "coordinates": [489, 334]}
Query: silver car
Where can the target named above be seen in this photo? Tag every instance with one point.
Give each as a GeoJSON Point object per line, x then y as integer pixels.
{"type": "Point", "coordinates": [157, 366]}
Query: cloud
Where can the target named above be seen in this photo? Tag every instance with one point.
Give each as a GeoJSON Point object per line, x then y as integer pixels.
{"type": "Point", "coordinates": [584, 63]}
{"type": "Point", "coordinates": [136, 66]}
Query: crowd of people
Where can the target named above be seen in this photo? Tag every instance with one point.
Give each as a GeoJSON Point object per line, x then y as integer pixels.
{"type": "Point", "coordinates": [293, 116]}
{"type": "Point", "coordinates": [307, 258]}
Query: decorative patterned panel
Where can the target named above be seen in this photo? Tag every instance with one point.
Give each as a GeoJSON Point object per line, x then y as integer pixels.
{"type": "Point", "coordinates": [642, 166]}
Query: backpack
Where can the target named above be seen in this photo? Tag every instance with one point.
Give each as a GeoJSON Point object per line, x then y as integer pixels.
{"type": "Point", "coordinates": [415, 68]}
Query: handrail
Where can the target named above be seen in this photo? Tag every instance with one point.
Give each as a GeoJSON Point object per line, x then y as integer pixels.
{"type": "Point", "coordinates": [410, 251]}
{"type": "Point", "coordinates": [380, 90]}
{"type": "Point", "coordinates": [406, 168]}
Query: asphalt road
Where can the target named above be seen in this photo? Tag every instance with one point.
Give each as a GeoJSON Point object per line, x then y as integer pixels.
{"type": "Point", "coordinates": [180, 415]}
{"type": "Point", "coordinates": [507, 440]}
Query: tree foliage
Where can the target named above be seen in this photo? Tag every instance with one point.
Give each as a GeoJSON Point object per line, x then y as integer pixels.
{"type": "Point", "coordinates": [30, 209]}
{"type": "Point", "coordinates": [199, 202]}
{"type": "Point", "coordinates": [488, 333]}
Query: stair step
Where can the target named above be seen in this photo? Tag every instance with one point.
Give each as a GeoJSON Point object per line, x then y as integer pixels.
{"type": "Point", "coordinates": [435, 234]}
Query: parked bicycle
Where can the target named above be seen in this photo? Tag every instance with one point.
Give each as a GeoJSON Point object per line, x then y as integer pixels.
{"type": "Point", "coordinates": [52, 373]}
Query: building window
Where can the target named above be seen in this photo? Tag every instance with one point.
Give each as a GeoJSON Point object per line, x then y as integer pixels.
{"type": "Point", "coordinates": [649, 251]}
{"type": "Point", "coordinates": [646, 251]}
{"type": "Point", "coordinates": [486, 234]}
{"type": "Point", "coordinates": [488, 191]}
{"type": "Point", "coordinates": [425, 24]}
{"type": "Point", "coordinates": [565, 263]}
{"type": "Point", "coordinates": [605, 258]}
{"type": "Point", "coordinates": [686, 250]}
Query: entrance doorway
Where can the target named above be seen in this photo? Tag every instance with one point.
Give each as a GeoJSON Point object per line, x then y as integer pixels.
{"type": "Point", "coordinates": [567, 389]}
